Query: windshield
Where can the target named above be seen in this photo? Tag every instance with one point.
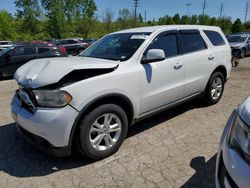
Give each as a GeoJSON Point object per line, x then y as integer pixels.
{"type": "Point", "coordinates": [237, 38]}
{"type": "Point", "coordinates": [118, 47]}
{"type": "Point", "coordinates": [5, 50]}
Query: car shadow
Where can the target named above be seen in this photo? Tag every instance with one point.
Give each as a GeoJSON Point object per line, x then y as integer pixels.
{"type": "Point", "coordinates": [20, 159]}
{"type": "Point", "coordinates": [6, 78]}
{"type": "Point", "coordinates": [204, 175]}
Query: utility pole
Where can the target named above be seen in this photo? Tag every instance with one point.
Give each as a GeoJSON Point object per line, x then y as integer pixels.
{"type": "Point", "coordinates": [246, 14]}
{"type": "Point", "coordinates": [204, 6]}
{"type": "Point", "coordinates": [136, 5]}
{"type": "Point", "coordinates": [145, 16]}
{"type": "Point", "coordinates": [221, 9]}
{"type": "Point", "coordinates": [188, 5]}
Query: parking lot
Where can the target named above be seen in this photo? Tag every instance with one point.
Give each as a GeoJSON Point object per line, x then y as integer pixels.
{"type": "Point", "coordinates": [176, 148]}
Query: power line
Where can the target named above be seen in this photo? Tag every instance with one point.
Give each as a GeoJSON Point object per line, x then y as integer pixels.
{"type": "Point", "coordinates": [136, 5]}
{"type": "Point", "coordinates": [246, 13]}
{"type": "Point", "coordinates": [145, 16]}
{"type": "Point", "coordinates": [221, 9]}
{"type": "Point", "coordinates": [204, 6]}
{"type": "Point", "coordinates": [188, 5]}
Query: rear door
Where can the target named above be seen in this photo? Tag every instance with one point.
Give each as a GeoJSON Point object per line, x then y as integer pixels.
{"type": "Point", "coordinates": [197, 60]}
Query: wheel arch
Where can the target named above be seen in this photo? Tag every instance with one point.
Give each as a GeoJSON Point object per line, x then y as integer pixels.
{"type": "Point", "coordinates": [113, 98]}
{"type": "Point", "coordinates": [221, 69]}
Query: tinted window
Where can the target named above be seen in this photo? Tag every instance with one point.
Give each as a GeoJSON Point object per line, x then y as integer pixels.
{"type": "Point", "coordinates": [5, 43]}
{"type": "Point", "coordinates": [43, 50]}
{"type": "Point", "coordinates": [167, 43]}
{"type": "Point", "coordinates": [192, 42]}
{"type": "Point", "coordinates": [215, 38]}
{"type": "Point", "coordinates": [71, 42]}
{"type": "Point", "coordinates": [24, 51]}
{"type": "Point", "coordinates": [236, 38]}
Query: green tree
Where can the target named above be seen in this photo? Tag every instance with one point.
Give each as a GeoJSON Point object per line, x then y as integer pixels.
{"type": "Point", "coordinates": [166, 20]}
{"type": "Point", "coordinates": [140, 18]}
{"type": "Point", "coordinates": [7, 27]}
{"type": "Point", "coordinates": [107, 19]}
{"type": "Point", "coordinates": [29, 12]}
{"type": "Point", "coordinates": [177, 19]}
{"type": "Point", "coordinates": [185, 20]}
{"type": "Point", "coordinates": [193, 19]}
{"type": "Point", "coordinates": [56, 24]}
{"type": "Point", "coordinates": [247, 25]}
{"type": "Point", "coordinates": [237, 26]}
{"type": "Point", "coordinates": [225, 24]}
{"type": "Point", "coordinates": [125, 18]}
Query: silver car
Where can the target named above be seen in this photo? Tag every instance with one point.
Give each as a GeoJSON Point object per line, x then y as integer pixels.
{"type": "Point", "coordinates": [240, 43]}
{"type": "Point", "coordinates": [233, 158]}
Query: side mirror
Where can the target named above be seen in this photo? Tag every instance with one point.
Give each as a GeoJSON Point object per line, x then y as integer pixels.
{"type": "Point", "coordinates": [154, 55]}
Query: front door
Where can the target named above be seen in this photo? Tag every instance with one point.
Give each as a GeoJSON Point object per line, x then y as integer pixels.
{"type": "Point", "coordinates": [162, 82]}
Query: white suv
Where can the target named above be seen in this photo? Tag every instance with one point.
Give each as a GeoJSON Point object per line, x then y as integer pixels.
{"type": "Point", "coordinates": [90, 100]}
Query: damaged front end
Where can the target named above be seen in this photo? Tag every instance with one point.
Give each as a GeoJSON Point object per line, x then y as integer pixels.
{"type": "Point", "coordinates": [40, 81]}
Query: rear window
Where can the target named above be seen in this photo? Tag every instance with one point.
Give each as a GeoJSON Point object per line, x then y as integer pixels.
{"type": "Point", "coordinates": [24, 51]}
{"type": "Point", "coordinates": [192, 42]}
{"type": "Point", "coordinates": [215, 38]}
{"type": "Point", "coordinates": [5, 43]}
{"type": "Point", "coordinates": [43, 50]}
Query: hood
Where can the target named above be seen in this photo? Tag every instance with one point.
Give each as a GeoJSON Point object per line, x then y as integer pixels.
{"type": "Point", "coordinates": [244, 111]}
{"type": "Point", "coordinates": [42, 72]}
{"type": "Point", "coordinates": [235, 44]}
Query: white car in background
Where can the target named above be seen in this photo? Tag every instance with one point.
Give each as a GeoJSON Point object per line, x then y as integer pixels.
{"type": "Point", "coordinates": [5, 44]}
{"type": "Point", "coordinates": [233, 158]}
{"type": "Point", "coordinates": [90, 100]}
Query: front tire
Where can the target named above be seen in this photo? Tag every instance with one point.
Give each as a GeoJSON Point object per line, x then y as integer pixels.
{"type": "Point", "coordinates": [215, 88]}
{"type": "Point", "coordinates": [243, 53]}
{"type": "Point", "coordinates": [102, 131]}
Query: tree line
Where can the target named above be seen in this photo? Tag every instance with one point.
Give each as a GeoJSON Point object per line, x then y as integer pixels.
{"type": "Point", "coordinates": [56, 19]}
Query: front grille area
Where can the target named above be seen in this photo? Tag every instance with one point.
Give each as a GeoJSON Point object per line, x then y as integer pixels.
{"type": "Point", "coordinates": [26, 99]}
{"type": "Point", "coordinates": [222, 173]}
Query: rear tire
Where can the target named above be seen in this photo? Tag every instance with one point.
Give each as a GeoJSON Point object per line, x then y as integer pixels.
{"type": "Point", "coordinates": [215, 88]}
{"type": "Point", "coordinates": [102, 131]}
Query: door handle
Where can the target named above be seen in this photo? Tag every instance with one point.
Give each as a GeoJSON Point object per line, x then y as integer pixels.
{"type": "Point", "coordinates": [211, 57]}
{"type": "Point", "coordinates": [177, 66]}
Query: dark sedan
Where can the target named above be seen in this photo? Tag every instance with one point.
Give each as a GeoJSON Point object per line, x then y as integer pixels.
{"type": "Point", "coordinates": [14, 57]}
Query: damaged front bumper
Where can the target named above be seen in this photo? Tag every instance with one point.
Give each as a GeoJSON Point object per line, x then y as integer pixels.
{"type": "Point", "coordinates": [48, 128]}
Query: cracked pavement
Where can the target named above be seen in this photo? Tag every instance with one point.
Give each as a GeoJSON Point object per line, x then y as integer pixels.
{"type": "Point", "coordinates": [176, 148]}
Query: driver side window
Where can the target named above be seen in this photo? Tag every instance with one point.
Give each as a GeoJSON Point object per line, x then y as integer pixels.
{"type": "Point", "coordinates": [167, 43]}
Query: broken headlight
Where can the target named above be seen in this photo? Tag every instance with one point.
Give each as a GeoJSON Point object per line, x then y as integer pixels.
{"type": "Point", "coordinates": [240, 138]}
{"type": "Point", "coordinates": [52, 98]}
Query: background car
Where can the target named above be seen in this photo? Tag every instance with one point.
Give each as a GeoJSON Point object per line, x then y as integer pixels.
{"type": "Point", "coordinates": [240, 42]}
{"type": "Point", "coordinates": [5, 44]}
{"type": "Point", "coordinates": [14, 57]}
{"type": "Point", "coordinates": [233, 158]}
{"type": "Point", "coordinates": [89, 42]}
{"type": "Point", "coordinates": [74, 45]}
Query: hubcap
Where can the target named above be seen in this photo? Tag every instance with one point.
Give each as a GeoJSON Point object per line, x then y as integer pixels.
{"type": "Point", "coordinates": [216, 88]}
{"type": "Point", "coordinates": [105, 131]}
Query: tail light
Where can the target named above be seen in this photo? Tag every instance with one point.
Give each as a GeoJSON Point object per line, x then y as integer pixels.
{"type": "Point", "coordinates": [62, 49]}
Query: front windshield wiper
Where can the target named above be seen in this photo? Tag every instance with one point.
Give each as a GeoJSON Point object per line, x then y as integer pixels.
{"type": "Point", "coordinates": [98, 57]}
